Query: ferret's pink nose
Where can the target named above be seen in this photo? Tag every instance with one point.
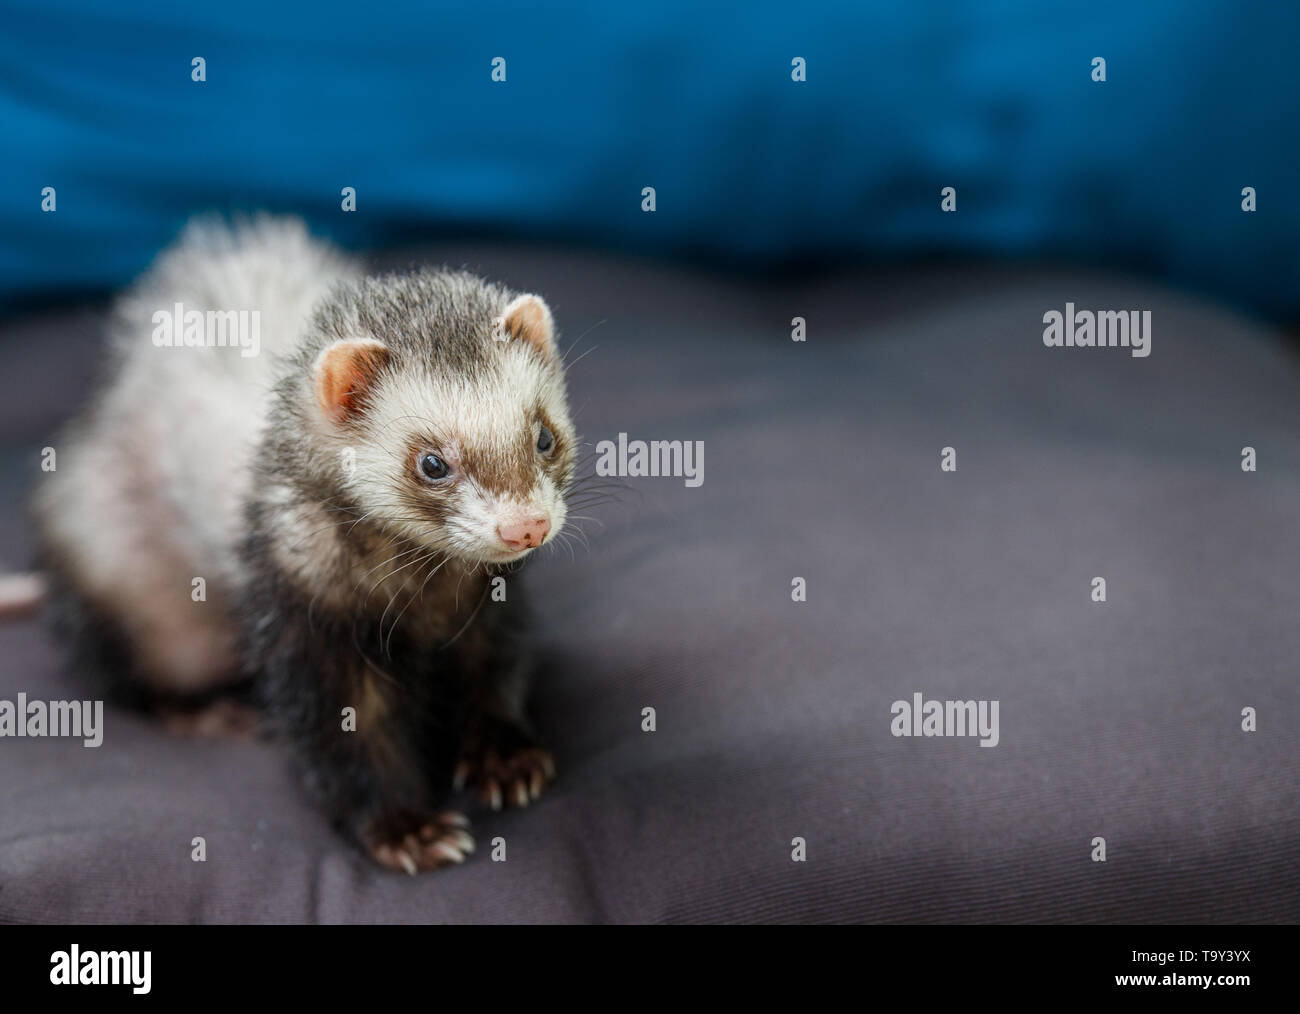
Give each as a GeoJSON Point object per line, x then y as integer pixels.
{"type": "Point", "coordinates": [527, 534]}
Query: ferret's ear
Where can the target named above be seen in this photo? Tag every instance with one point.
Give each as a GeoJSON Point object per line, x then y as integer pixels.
{"type": "Point", "coordinates": [529, 318]}
{"type": "Point", "coordinates": [344, 374]}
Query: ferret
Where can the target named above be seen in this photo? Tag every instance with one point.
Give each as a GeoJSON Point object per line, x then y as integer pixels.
{"type": "Point", "coordinates": [329, 517]}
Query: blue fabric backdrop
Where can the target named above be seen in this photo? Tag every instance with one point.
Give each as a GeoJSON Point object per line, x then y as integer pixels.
{"type": "Point", "coordinates": [902, 98]}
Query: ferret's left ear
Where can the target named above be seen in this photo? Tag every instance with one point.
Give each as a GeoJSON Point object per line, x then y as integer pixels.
{"type": "Point", "coordinates": [529, 318]}
{"type": "Point", "coordinates": [344, 374]}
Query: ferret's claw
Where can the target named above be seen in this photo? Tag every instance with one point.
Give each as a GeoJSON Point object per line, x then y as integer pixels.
{"type": "Point", "coordinates": [462, 841]}
{"type": "Point", "coordinates": [407, 843]}
{"type": "Point", "coordinates": [448, 850]}
{"type": "Point", "coordinates": [514, 775]}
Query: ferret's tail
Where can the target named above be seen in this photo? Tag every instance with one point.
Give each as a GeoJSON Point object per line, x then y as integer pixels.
{"type": "Point", "coordinates": [20, 594]}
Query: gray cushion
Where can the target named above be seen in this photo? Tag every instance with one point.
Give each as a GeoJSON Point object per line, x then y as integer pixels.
{"type": "Point", "coordinates": [1120, 720]}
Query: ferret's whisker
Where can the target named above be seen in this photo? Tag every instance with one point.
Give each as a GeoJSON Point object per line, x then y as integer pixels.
{"type": "Point", "coordinates": [393, 598]}
{"type": "Point", "coordinates": [418, 593]}
{"type": "Point", "coordinates": [391, 573]}
{"type": "Point", "coordinates": [465, 627]}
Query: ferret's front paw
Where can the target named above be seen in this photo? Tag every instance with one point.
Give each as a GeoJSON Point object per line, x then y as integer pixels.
{"type": "Point", "coordinates": [503, 766]}
{"type": "Point", "coordinates": [410, 843]}
{"type": "Point", "coordinates": [224, 718]}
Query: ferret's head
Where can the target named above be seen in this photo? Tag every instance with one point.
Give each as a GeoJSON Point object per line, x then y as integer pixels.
{"type": "Point", "coordinates": [442, 400]}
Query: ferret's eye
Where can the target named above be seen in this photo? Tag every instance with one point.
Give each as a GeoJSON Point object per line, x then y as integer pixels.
{"type": "Point", "coordinates": [433, 467]}
{"type": "Point", "coordinates": [545, 441]}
